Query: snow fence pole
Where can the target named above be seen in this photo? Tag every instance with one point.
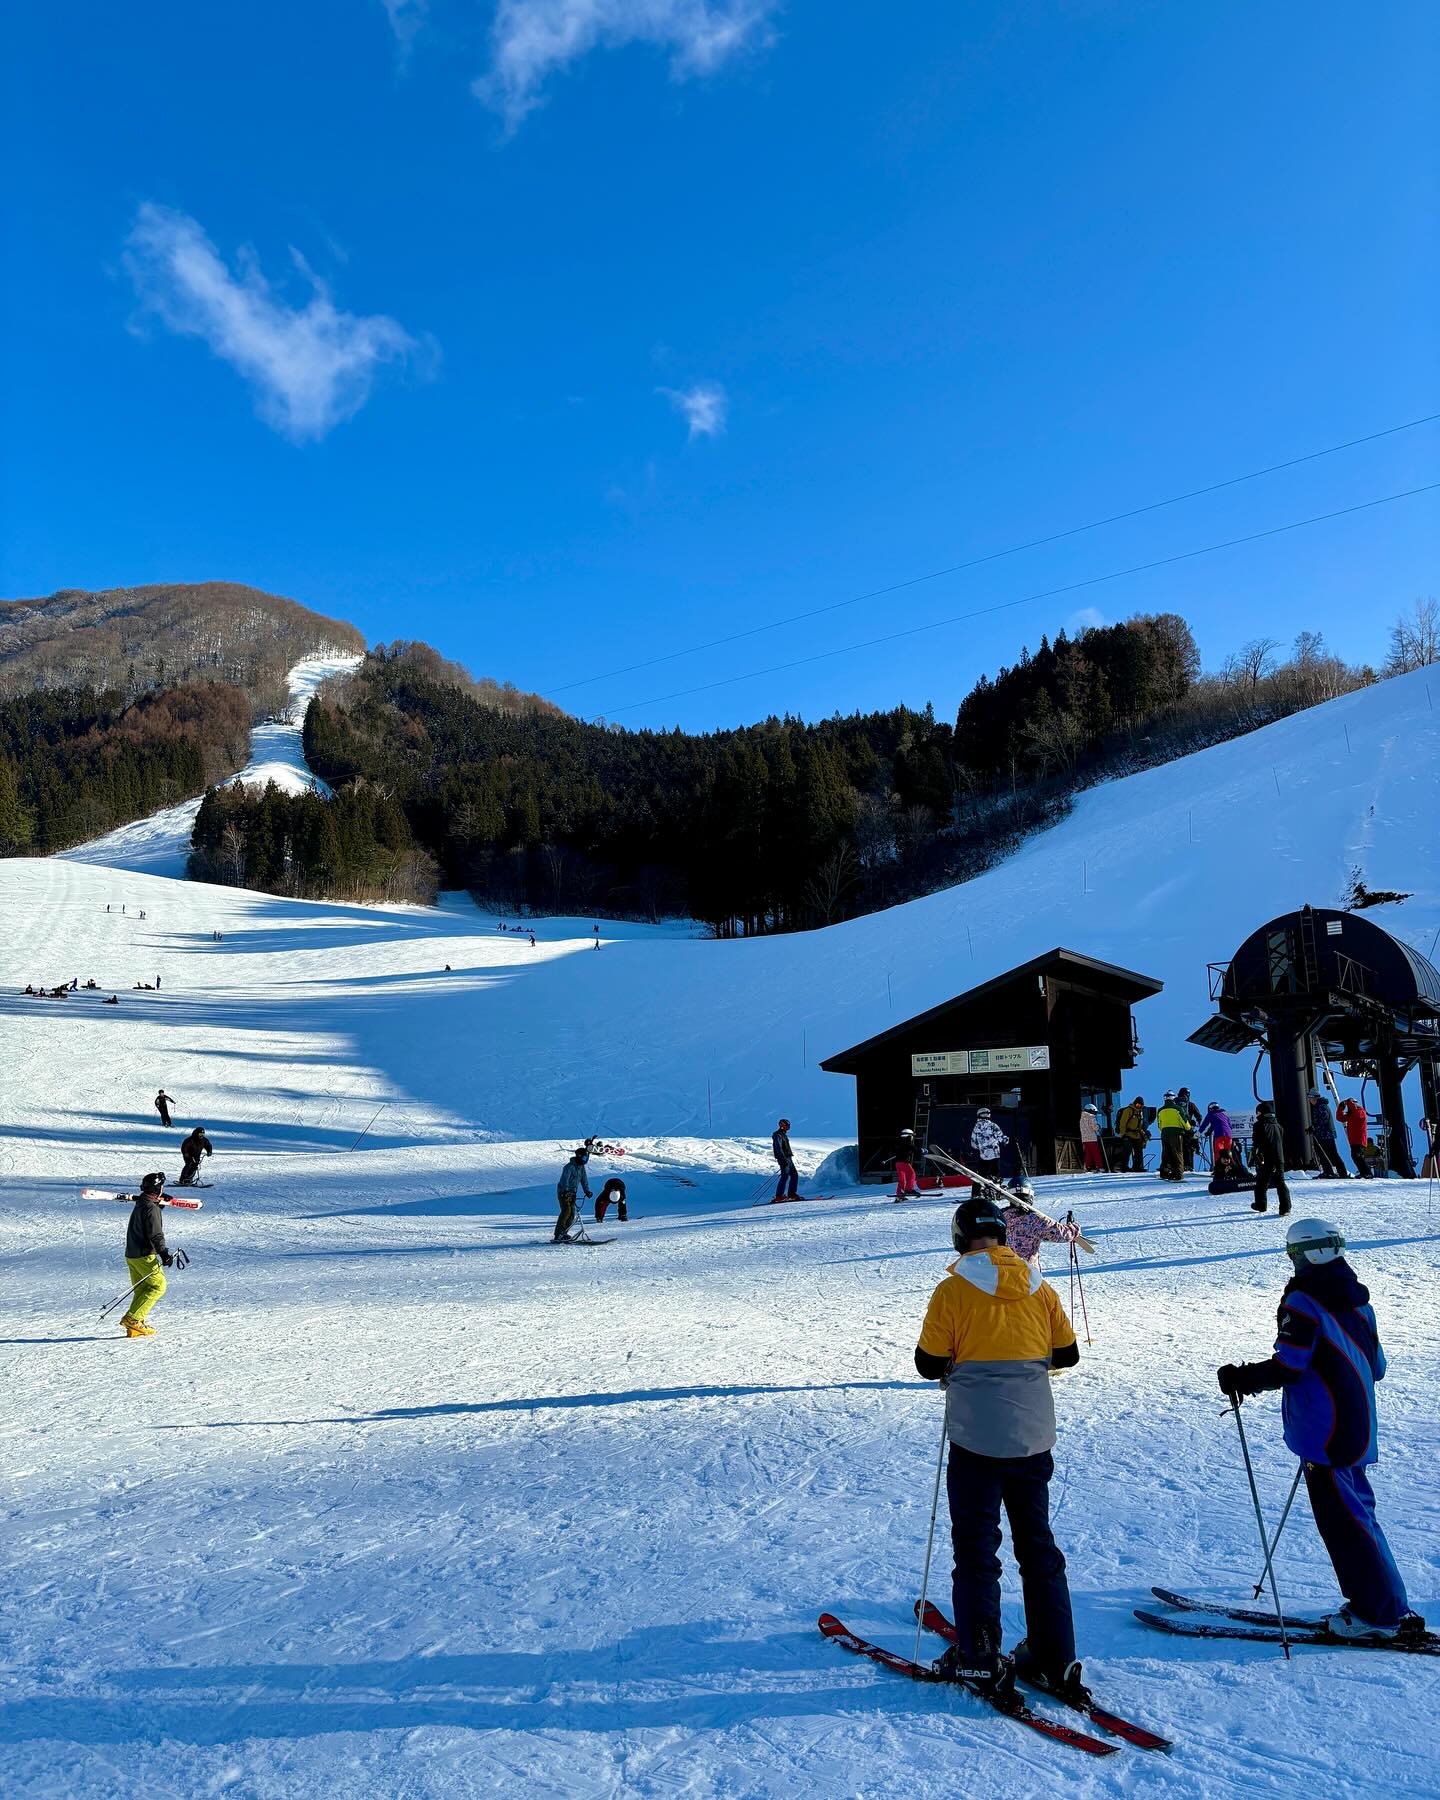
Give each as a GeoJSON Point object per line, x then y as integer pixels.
{"type": "Point", "coordinates": [1275, 1541]}
{"type": "Point", "coordinates": [1260, 1521]}
{"type": "Point", "coordinates": [930, 1540]}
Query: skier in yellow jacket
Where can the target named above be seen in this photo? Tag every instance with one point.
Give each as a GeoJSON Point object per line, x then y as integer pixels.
{"type": "Point", "coordinates": [992, 1333]}
{"type": "Point", "coordinates": [1174, 1129]}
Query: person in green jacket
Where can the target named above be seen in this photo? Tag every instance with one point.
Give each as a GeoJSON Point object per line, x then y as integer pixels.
{"type": "Point", "coordinates": [1174, 1128]}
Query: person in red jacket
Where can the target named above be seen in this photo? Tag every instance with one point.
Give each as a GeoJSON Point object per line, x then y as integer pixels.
{"type": "Point", "coordinates": [1351, 1115]}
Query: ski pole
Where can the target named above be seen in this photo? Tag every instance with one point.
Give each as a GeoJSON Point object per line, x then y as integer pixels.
{"type": "Point", "coordinates": [375, 1115]}
{"type": "Point", "coordinates": [179, 1261]}
{"type": "Point", "coordinates": [1260, 1522]}
{"type": "Point", "coordinates": [1274, 1542]}
{"type": "Point", "coordinates": [930, 1540]}
{"type": "Point", "coordinates": [1076, 1276]}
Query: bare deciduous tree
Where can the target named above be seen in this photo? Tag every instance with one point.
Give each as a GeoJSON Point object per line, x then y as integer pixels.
{"type": "Point", "coordinates": [1415, 638]}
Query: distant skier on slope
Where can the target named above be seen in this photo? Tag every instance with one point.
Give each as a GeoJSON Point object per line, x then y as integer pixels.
{"type": "Point", "coordinates": [193, 1148]}
{"type": "Point", "coordinates": [1327, 1360]}
{"type": "Point", "coordinates": [905, 1182]}
{"type": "Point", "coordinates": [572, 1177]}
{"type": "Point", "coordinates": [789, 1178]}
{"type": "Point", "coordinates": [163, 1103]}
{"type": "Point", "coordinates": [993, 1331]}
{"type": "Point", "coordinates": [987, 1140]}
{"type": "Point", "coordinates": [145, 1253]}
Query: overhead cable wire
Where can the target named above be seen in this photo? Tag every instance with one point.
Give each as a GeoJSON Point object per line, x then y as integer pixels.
{"type": "Point", "coordinates": [1069, 587]}
{"type": "Point", "coordinates": [1055, 537]}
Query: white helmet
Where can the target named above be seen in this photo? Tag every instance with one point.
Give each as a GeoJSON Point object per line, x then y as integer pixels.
{"type": "Point", "coordinates": [1090, 1106]}
{"type": "Point", "coordinates": [984, 1113]}
{"type": "Point", "coordinates": [1314, 1241]}
{"type": "Point", "coordinates": [907, 1132]}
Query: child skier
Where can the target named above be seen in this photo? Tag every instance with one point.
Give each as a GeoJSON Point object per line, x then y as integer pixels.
{"type": "Point", "coordinates": [163, 1103]}
{"type": "Point", "coordinates": [145, 1252]}
{"type": "Point", "coordinates": [1026, 1230]}
{"type": "Point", "coordinates": [1327, 1360]}
{"type": "Point", "coordinates": [992, 1333]}
{"type": "Point", "coordinates": [905, 1182]}
{"type": "Point", "coordinates": [987, 1140]}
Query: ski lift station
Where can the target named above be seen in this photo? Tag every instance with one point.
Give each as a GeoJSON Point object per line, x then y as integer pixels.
{"type": "Point", "coordinates": [1317, 990]}
{"type": "Point", "coordinates": [1033, 1045]}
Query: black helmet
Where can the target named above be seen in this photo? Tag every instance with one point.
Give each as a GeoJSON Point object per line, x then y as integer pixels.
{"type": "Point", "coordinates": [154, 1183]}
{"type": "Point", "coordinates": [979, 1216]}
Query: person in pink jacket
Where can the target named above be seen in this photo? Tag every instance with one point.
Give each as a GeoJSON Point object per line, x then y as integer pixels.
{"type": "Point", "coordinates": [1026, 1230]}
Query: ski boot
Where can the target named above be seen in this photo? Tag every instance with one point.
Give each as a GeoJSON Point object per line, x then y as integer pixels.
{"type": "Point", "coordinates": [1258, 1205]}
{"type": "Point", "coordinates": [993, 1677]}
{"type": "Point", "coordinates": [1349, 1626]}
{"type": "Point", "coordinates": [1065, 1684]}
{"type": "Point", "coordinates": [137, 1327]}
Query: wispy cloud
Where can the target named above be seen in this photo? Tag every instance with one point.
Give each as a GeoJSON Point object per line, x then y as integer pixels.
{"type": "Point", "coordinates": [1087, 618]}
{"type": "Point", "coordinates": [406, 18]}
{"type": "Point", "coordinates": [311, 365]}
{"type": "Point", "coordinates": [703, 407]}
{"type": "Point", "coordinates": [531, 39]}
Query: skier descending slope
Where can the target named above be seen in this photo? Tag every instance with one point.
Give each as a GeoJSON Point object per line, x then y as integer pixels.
{"type": "Point", "coordinates": [1327, 1360]}
{"type": "Point", "coordinates": [192, 1148]}
{"type": "Point", "coordinates": [163, 1103]}
{"type": "Point", "coordinates": [145, 1252]}
{"type": "Point", "coordinates": [992, 1333]}
{"type": "Point", "coordinates": [572, 1176]}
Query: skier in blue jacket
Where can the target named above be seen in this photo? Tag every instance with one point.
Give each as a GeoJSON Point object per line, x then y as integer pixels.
{"type": "Point", "coordinates": [1327, 1360]}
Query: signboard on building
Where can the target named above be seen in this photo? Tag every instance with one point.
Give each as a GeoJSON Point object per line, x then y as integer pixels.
{"type": "Point", "coordinates": [1013, 1060]}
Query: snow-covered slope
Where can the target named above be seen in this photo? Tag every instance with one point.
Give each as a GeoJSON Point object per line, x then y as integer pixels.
{"type": "Point", "coordinates": [160, 845]}
{"type": "Point", "coordinates": [404, 1501]}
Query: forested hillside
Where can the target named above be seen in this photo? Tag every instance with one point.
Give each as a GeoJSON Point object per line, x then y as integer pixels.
{"type": "Point", "coordinates": [74, 763]}
{"type": "Point", "coordinates": [143, 639]}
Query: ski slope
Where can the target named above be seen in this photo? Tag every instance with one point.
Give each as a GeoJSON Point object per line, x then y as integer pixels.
{"type": "Point", "coordinates": [405, 1501]}
{"type": "Point", "coordinates": [160, 845]}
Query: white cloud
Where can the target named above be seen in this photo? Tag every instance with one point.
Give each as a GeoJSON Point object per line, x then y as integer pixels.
{"type": "Point", "coordinates": [1088, 618]}
{"type": "Point", "coordinates": [406, 18]}
{"type": "Point", "coordinates": [702, 407]}
{"type": "Point", "coordinates": [312, 366]}
{"type": "Point", "coordinates": [531, 39]}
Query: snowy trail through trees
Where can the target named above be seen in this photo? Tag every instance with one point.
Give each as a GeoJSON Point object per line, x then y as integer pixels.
{"type": "Point", "coordinates": [160, 845]}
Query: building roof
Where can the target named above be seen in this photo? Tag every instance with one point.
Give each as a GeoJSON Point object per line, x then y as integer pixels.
{"type": "Point", "coordinates": [1124, 984]}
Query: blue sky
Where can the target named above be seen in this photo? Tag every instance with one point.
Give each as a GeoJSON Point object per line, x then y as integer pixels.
{"type": "Point", "coordinates": [567, 334]}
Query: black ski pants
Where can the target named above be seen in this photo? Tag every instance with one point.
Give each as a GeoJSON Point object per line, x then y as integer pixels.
{"type": "Point", "coordinates": [164, 1112]}
{"type": "Point", "coordinates": [1132, 1156]}
{"type": "Point", "coordinates": [1328, 1156]}
{"type": "Point", "coordinates": [1267, 1175]}
{"type": "Point", "coordinates": [1361, 1161]}
{"type": "Point", "coordinates": [977, 1487]}
{"type": "Point", "coordinates": [788, 1179]}
{"type": "Point", "coordinates": [1172, 1153]}
{"type": "Point", "coordinates": [189, 1171]}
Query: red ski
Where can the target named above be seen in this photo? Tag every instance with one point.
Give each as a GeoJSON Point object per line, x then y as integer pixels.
{"type": "Point", "coordinates": [165, 1199]}
{"type": "Point", "coordinates": [934, 1620]}
{"type": "Point", "coordinates": [1012, 1706]}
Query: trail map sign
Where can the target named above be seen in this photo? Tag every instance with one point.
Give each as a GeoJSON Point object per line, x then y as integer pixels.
{"type": "Point", "coordinates": [1018, 1059]}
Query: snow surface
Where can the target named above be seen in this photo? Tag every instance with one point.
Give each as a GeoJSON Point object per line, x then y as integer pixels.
{"type": "Point", "coordinates": [160, 845]}
{"type": "Point", "coordinates": [403, 1501]}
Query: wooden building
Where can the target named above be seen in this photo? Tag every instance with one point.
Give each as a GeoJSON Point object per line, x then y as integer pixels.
{"type": "Point", "coordinates": [1034, 1044]}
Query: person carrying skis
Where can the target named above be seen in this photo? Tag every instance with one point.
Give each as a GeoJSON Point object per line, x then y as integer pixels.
{"type": "Point", "coordinates": [1353, 1117]}
{"type": "Point", "coordinates": [1217, 1127]}
{"type": "Point", "coordinates": [572, 1176]}
{"type": "Point", "coordinates": [1174, 1127]}
{"type": "Point", "coordinates": [612, 1192]}
{"type": "Point", "coordinates": [1026, 1229]}
{"type": "Point", "coordinates": [1322, 1137]}
{"type": "Point", "coordinates": [1133, 1134]}
{"type": "Point", "coordinates": [987, 1140]}
{"type": "Point", "coordinates": [993, 1331]}
{"type": "Point", "coordinates": [163, 1103]}
{"type": "Point", "coordinates": [1326, 1362]}
{"type": "Point", "coordinates": [192, 1148]}
{"type": "Point", "coordinates": [1091, 1153]}
{"type": "Point", "coordinates": [1268, 1142]}
{"type": "Point", "coordinates": [147, 1255]}
{"type": "Point", "coordinates": [789, 1178]}
{"type": "Point", "coordinates": [905, 1182]}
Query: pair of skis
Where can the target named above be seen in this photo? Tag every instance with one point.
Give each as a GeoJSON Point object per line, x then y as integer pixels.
{"type": "Point", "coordinates": [1012, 1706]}
{"type": "Point", "coordinates": [1261, 1628]}
{"type": "Point", "coordinates": [165, 1199]}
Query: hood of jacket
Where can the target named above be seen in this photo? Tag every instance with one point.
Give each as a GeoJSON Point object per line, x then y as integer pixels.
{"type": "Point", "coordinates": [1000, 1274]}
{"type": "Point", "coordinates": [1334, 1284]}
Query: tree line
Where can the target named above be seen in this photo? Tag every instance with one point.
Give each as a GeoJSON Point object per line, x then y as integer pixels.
{"type": "Point", "coordinates": [75, 763]}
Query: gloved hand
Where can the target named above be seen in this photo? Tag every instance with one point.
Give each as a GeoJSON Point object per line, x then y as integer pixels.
{"type": "Point", "coordinates": [167, 1258]}
{"type": "Point", "coordinates": [1231, 1379]}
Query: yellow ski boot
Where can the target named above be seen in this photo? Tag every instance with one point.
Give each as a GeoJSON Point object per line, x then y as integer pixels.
{"type": "Point", "coordinates": [137, 1327]}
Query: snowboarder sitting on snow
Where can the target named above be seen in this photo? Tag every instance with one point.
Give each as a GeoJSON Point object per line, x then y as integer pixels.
{"type": "Point", "coordinates": [572, 1176]}
{"type": "Point", "coordinates": [1327, 1360]}
{"type": "Point", "coordinates": [993, 1331]}
{"type": "Point", "coordinates": [163, 1103]}
{"type": "Point", "coordinates": [192, 1149]}
{"type": "Point", "coordinates": [904, 1159]}
{"type": "Point", "coordinates": [789, 1178]}
{"type": "Point", "coordinates": [1026, 1230]}
{"type": "Point", "coordinates": [1268, 1142]}
{"type": "Point", "coordinates": [613, 1190]}
{"type": "Point", "coordinates": [1230, 1176]}
{"type": "Point", "coordinates": [145, 1252]}
{"type": "Point", "coordinates": [987, 1141]}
